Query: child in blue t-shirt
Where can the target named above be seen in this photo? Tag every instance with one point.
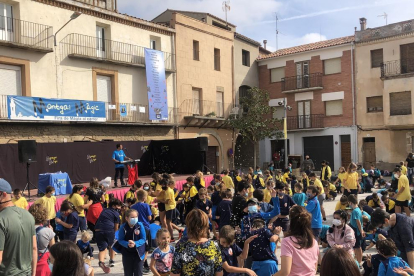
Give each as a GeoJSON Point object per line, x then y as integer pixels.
{"type": "Point", "coordinates": [59, 227]}
{"type": "Point", "coordinates": [393, 265]}
{"type": "Point", "coordinates": [299, 197]}
{"type": "Point", "coordinates": [154, 227]}
{"type": "Point", "coordinates": [356, 223]}
{"type": "Point", "coordinates": [259, 245]}
{"type": "Point", "coordinates": [314, 208]}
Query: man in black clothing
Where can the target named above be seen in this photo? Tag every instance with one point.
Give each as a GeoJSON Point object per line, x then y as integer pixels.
{"type": "Point", "coordinates": [239, 203]}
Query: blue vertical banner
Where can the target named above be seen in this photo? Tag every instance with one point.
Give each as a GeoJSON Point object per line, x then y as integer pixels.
{"type": "Point", "coordinates": [156, 85]}
{"type": "Point", "coordinates": [123, 110]}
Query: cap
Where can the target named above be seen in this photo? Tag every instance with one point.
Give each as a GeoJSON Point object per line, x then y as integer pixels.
{"type": "Point", "coordinates": [365, 174]}
{"type": "Point", "coordinates": [252, 200]}
{"type": "Point", "coordinates": [5, 186]}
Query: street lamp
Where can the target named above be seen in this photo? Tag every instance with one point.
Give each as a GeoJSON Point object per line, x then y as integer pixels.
{"type": "Point", "coordinates": [286, 108]}
{"type": "Point", "coordinates": [72, 17]}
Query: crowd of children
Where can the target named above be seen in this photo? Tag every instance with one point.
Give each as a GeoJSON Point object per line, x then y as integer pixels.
{"type": "Point", "coordinates": [245, 216]}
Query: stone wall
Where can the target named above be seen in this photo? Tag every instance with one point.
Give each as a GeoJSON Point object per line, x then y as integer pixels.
{"type": "Point", "coordinates": [52, 133]}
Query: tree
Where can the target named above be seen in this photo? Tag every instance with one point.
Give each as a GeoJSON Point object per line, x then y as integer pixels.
{"type": "Point", "coordinates": [257, 122]}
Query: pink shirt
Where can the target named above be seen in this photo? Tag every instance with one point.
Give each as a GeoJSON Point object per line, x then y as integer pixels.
{"type": "Point", "coordinates": [303, 260]}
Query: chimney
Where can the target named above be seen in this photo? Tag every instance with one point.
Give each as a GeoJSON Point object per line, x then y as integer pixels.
{"type": "Point", "coordinates": [264, 44]}
{"type": "Point", "coordinates": [363, 22]}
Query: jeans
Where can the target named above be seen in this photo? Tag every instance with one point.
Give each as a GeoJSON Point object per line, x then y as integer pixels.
{"type": "Point", "coordinates": [410, 172]}
{"type": "Point", "coordinates": [119, 172]}
{"type": "Point", "coordinates": [132, 264]}
{"type": "Point", "coordinates": [82, 224]}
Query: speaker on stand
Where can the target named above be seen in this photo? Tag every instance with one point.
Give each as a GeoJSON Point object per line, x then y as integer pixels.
{"type": "Point", "coordinates": [27, 150]}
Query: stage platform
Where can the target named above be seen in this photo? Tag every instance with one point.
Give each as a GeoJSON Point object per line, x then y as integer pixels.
{"type": "Point", "coordinates": [118, 192]}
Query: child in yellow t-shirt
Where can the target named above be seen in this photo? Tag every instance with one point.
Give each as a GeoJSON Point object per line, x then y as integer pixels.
{"type": "Point", "coordinates": [19, 200]}
{"type": "Point", "coordinates": [267, 192]}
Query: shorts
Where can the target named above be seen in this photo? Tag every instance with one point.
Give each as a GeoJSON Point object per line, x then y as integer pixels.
{"type": "Point", "coordinates": [358, 239]}
{"type": "Point", "coordinates": [265, 268]}
{"type": "Point", "coordinates": [316, 232]}
{"type": "Point", "coordinates": [161, 207]}
{"type": "Point", "coordinates": [352, 192]}
{"type": "Point", "coordinates": [170, 214]}
{"type": "Point", "coordinates": [401, 203]}
{"type": "Point", "coordinates": [104, 239]}
{"type": "Point", "coordinates": [321, 198]}
{"type": "Point", "coordinates": [282, 222]}
{"type": "Point", "coordinates": [148, 241]}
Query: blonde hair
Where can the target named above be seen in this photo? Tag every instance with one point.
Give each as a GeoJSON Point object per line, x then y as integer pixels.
{"type": "Point", "coordinates": [86, 235]}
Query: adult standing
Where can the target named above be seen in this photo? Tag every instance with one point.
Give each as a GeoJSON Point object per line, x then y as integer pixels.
{"type": "Point", "coordinates": [80, 205]}
{"type": "Point", "coordinates": [404, 195]}
{"type": "Point", "coordinates": [326, 171]}
{"type": "Point", "coordinates": [299, 250]}
{"type": "Point", "coordinates": [197, 255]}
{"type": "Point", "coordinates": [119, 156]}
{"type": "Point", "coordinates": [276, 159]}
{"type": "Point", "coordinates": [18, 247]}
{"type": "Point", "coordinates": [410, 167]}
{"type": "Point", "coordinates": [95, 194]}
{"type": "Point", "coordinates": [400, 229]}
{"type": "Point", "coordinates": [351, 184]}
{"type": "Point", "coordinates": [307, 164]}
{"type": "Point", "coordinates": [45, 238]}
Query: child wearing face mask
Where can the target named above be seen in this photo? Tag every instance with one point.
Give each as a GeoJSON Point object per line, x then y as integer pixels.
{"type": "Point", "coordinates": [132, 238]}
{"type": "Point", "coordinates": [341, 235]}
{"type": "Point", "coordinates": [132, 191]}
{"type": "Point", "coordinates": [285, 203]}
{"type": "Point", "coordinates": [71, 223]}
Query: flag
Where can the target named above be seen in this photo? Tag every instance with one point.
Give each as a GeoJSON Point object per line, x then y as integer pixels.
{"type": "Point", "coordinates": [285, 128]}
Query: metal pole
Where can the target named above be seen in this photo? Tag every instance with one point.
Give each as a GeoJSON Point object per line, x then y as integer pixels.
{"type": "Point", "coordinates": [286, 149]}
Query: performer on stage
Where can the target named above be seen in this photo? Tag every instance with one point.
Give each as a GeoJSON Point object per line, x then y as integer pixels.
{"type": "Point", "coordinates": [119, 156]}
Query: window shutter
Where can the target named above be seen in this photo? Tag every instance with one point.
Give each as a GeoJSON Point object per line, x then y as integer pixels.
{"type": "Point", "coordinates": [104, 87]}
{"type": "Point", "coordinates": [10, 79]}
{"type": "Point", "coordinates": [376, 58]}
{"type": "Point", "coordinates": [333, 108]}
{"type": "Point", "coordinates": [374, 104]}
{"type": "Point", "coordinates": [277, 74]}
{"type": "Point", "coordinates": [332, 66]}
{"type": "Point", "coordinates": [400, 103]}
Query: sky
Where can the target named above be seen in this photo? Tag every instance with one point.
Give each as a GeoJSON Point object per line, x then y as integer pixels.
{"type": "Point", "coordinates": [300, 21]}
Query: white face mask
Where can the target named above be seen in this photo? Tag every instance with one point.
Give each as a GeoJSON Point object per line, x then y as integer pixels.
{"type": "Point", "coordinates": [336, 222]}
{"type": "Point", "coordinates": [396, 176]}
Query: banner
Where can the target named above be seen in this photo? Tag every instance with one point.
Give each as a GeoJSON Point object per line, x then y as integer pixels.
{"type": "Point", "coordinates": [44, 109]}
{"type": "Point", "coordinates": [156, 85]}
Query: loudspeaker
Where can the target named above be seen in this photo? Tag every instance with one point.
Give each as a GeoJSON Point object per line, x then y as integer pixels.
{"type": "Point", "coordinates": [27, 150]}
{"type": "Point", "coordinates": [203, 142]}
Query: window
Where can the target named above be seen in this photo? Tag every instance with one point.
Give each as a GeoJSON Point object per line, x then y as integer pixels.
{"type": "Point", "coordinates": [332, 66]}
{"type": "Point", "coordinates": [333, 108]}
{"type": "Point", "coordinates": [302, 75]}
{"type": "Point", "coordinates": [216, 59]}
{"type": "Point", "coordinates": [100, 41]}
{"type": "Point", "coordinates": [407, 56]}
{"type": "Point", "coordinates": [376, 58]}
{"type": "Point", "coordinates": [246, 58]}
{"type": "Point", "coordinates": [277, 74]}
{"type": "Point", "coordinates": [196, 50]}
{"type": "Point", "coordinates": [11, 80]}
{"type": "Point", "coordinates": [155, 42]}
{"type": "Point", "coordinates": [400, 103]}
{"type": "Point", "coordinates": [104, 88]}
{"type": "Point", "coordinates": [196, 101]}
{"type": "Point", "coordinates": [374, 104]}
{"type": "Point", "coordinates": [220, 104]}
{"type": "Point", "coordinates": [6, 22]}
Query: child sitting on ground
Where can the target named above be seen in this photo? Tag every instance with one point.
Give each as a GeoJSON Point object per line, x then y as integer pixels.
{"type": "Point", "coordinates": [85, 246]}
{"type": "Point", "coordinates": [19, 200]}
{"type": "Point", "coordinates": [231, 254]}
{"type": "Point", "coordinates": [342, 204]}
{"type": "Point", "coordinates": [162, 257]}
{"type": "Point", "coordinates": [299, 197]}
{"type": "Point", "coordinates": [393, 265]}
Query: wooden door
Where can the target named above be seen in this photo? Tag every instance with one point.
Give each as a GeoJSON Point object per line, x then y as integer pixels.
{"type": "Point", "coordinates": [369, 155]}
{"type": "Point", "coordinates": [211, 159]}
{"type": "Point", "coordinates": [346, 157]}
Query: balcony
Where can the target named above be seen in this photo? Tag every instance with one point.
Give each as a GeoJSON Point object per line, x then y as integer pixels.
{"type": "Point", "coordinates": [313, 121]}
{"type": "Point", "coordinates": [136, 113]}
{"type": "Point", "coordinates": [302, 83]}
{"type": "Point", "coordinates": [93, 48]}
{"type": "Point", "coordinates": [397, 68]}
{"type": "Point", "coordinates": [26, 35]}
{"type": "Point", "coordinates": [199, 113]}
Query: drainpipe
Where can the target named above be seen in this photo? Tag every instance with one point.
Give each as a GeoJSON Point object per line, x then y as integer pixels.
{"type": "Point", "coordinates": [353, 103]}
{"type": "Point", "coordinates": [176, 111]}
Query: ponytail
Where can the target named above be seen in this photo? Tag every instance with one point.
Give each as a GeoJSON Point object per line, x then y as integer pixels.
{"type": "Point", "coordinates": [75, 189]}
{"type": "Point", "coordinates": [67, 205]}
{"type": "Point", "coordinates": [300, 227]}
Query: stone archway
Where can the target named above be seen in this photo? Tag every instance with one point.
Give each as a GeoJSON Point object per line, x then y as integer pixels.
{"type": "Point", "coordinates": [219, 141]}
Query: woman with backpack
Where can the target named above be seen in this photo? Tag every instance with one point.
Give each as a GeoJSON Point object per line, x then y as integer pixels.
{"type": "Point", "coordinates": [45, 239]}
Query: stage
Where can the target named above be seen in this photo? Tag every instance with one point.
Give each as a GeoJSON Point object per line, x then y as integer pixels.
{"type": "Point", "coordinates": [119, 192]}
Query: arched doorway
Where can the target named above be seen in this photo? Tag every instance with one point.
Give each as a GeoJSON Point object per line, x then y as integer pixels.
{"type": "Point", "coordinates": [215, 153]}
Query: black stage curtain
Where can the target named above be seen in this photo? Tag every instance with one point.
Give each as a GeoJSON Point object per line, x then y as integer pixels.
{"type": "Point", "coordinates": [84, 160]}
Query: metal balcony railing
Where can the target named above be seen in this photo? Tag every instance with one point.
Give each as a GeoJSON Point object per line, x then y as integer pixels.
{"type": "Point", "coordinates": [136, 113]}
{"type": "Point", "coordinates": [192, 107]}
{"type": "Point", "coordinates": [79, 45]}
{"type": "Point", "coordinates": [305, 121]}
{"type": "Point", "coordinates": [25, 34]}
{"type": "Point", "coordinates": [397, 67]}
{"type": "Point", "coordinates": [301, 82]}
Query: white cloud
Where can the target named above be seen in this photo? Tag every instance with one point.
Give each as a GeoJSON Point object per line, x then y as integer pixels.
{"type": "Point", "coordinates": [243, 12]}
{"type": "Point", "coordinates": [312, 37]}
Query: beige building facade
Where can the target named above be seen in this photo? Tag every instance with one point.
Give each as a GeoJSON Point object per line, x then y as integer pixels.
{"type": "Point", "coordinates": [98, 56]}
{"type": "Point", "coordinates": [384, 84]}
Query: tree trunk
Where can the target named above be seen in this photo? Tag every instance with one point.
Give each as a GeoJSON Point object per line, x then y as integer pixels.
{"type": "Point", "coordinates": [254, 156]}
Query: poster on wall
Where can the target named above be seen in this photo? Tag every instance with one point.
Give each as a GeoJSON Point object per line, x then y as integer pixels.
{"type": "Point", "coordinates": [156, 85]}
{"type": "Point", "coordinates": [44, 109]}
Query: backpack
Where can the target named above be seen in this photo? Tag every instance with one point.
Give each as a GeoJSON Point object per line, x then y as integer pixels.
{"type": "Point", "coordinates": [377, 173]}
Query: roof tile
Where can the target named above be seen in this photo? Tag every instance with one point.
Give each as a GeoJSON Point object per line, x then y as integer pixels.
{"type": "Point", "coordinates": [309, 47]}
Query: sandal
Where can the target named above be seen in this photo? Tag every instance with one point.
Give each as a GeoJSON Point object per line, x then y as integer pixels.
{"type": "Point", "coordinates": [105, 269]}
